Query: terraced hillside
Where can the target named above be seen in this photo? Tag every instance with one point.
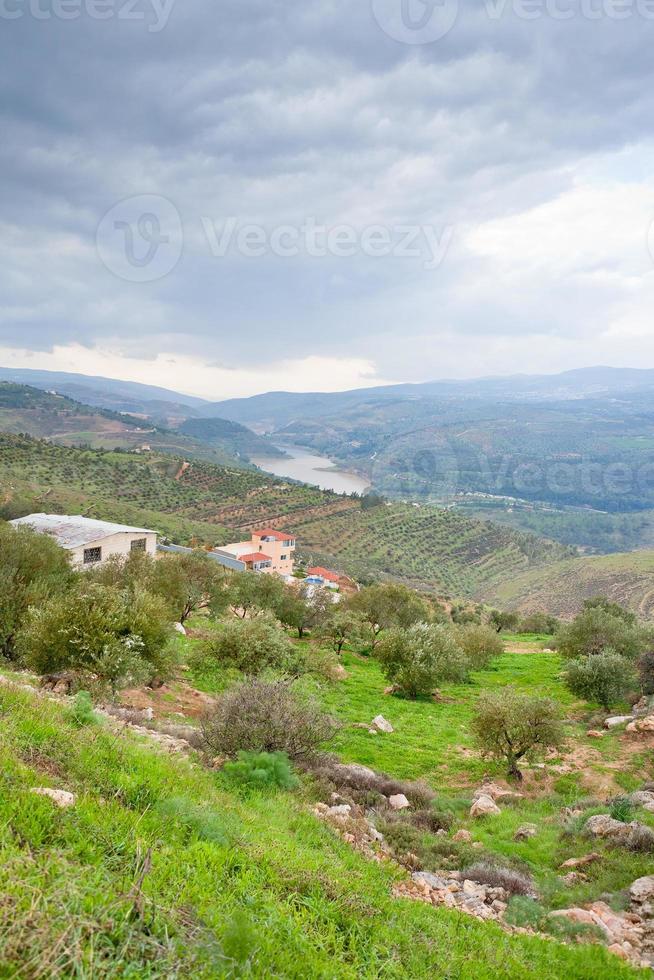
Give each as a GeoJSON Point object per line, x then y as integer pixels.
{"type": "Point", "coordinates": [188, 500]}
{"type": "Point", "coordinates": [426, 546]}
{"type": "Point", "coordinates": [560, 588]}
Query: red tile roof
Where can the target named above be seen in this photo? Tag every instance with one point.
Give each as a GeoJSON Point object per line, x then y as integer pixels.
{"type": "Point", "coordinates": [270, 533]}
{"type": "Point", "coordinates": [255, 556]}
{"type": "Point", "coordinates": [324, 573]}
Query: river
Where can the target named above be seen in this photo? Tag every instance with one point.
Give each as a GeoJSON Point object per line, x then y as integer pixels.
{"type": "Point", "coordinates": [302, 465]}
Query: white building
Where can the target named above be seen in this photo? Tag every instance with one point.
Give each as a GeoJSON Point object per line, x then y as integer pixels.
{"type": "Point", "coordinates": [91, 542]}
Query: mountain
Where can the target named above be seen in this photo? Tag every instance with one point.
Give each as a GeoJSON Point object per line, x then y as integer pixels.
{"type": "Point", "coordinates": [230, 437]}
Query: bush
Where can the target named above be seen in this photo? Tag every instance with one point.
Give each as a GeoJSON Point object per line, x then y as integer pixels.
{"type": "Point", "coordinates": [421, 657]}
{"type": "Point", "coordinates": [386, 605]}
{"type": "Point", "coordinates": [597, 629]}
{"type": "Point", "coordinates": [266, 716]}
{"type": "Point", "coordinates": [81, 712]}
{"type": "Point", "coordinates": [253, 646]}
{"type": "Point", "coordinates": [497, 876]}
{"type": "Point", "coordinates": [262, 770]}
{"type": "Point", "coordinates": [604, 677]}
{"type": "Point", "coordinates": [621, 808]}
{"type": "Point", "coordinates": [539, 622]}
{"type": "Point", "coordinates": [196, 821]}
{"type": "Point", "coordinates": [641, 840]}
{"type": "Point", "coordinates": [646, 672]}
{"type": "Point", "coordinates": [510, 726]}
{"type": "Point", "coordinates": [97, 631]}
{"type": "Point", "coordinates": [480, 644]}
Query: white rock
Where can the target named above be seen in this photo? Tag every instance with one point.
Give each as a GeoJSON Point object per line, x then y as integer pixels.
{"type": "Point", "coordinates": [617, 720]}
{"type": "Point", "coordinates": [484, 806]}
{"type": "Point", "coordinates": [340, 811]}
{"type": "Point", "coordinates": [148, 714]}
{"type": "Point", "coordinates": [602, 825]}
{"type": "Point", "coordinates": [60, 797]}
{"type": "Point", "coordinates": [398, 802]}
{"type": "Point", "coordinates": [382, 725]}
{"type": "Point", "coordinates": [463, 835]}
{"type": "Point", "coordinates": [179, 628]}
{"type": "Point", "coordinates": [526, 831]}
{"type": "Point", "coordinates": [644, 799]}
{"type": "Point", "coordinates": [642, 890]}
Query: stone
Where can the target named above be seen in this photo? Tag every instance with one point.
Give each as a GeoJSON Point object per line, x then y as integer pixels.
{"type": "Point", "coordinates": [340, 812]}
{"type": "Point", "coordinates": [581, 916]}
{"type": "Point", "coordinates": [617, 720]}
{"type": "Point", "coordinates": [573, 878]}
{"type": "Point", "coordinates": [604, 826]}
{"type": "Point", "coordinates": [338, 673]}
{"type": "Point", "coordinates": [484, 806]}
{"type": "Point", "coordinates": [644, 725]}
{"type": "Point", "coordinates": [643, 798]}
{"type": "Point", "coordinates": [642, 890]}
{"type": "Point", "coordinates": [60, 797]}
{"type": "Point", "coordinates": [581, 862]}
{"type": "Point", "coordinates": [382, 725]}
{"type": "Point", "coordinates": [148, 714]}
{"type": "Point", "coordinates": [593, 733]}
{"type": "Point", "coordinates": [526, 831]}
{"type": "Point", "coordinates": [355, 770]}
{"type": "Point", "coordinates": [398, 802]}
{"type": "Point", "coordinates": [618, 950]}
{"type": "Point", "coordinates": [427, 878]}
{"type": "Point", "coordinates": [473, 889]}
{"type": "Point", "coordinates": [496, 792]}
{"type": "Point", "coordinates": [463, 836]}
{"type": "Point", "coordinates": [179, 628]}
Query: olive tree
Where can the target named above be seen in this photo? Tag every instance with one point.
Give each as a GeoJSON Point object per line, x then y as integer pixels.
{"type": "Point", "coordinates": [253, 646]}
{"type": "Point", "coordinates": [480, 644]}
{"type": "Point", "coordinates": [511, 726]}
{"type": "Point", "coordinates": [596, 629]}
{"type": "Point", "coordinates": [388, 604]}
{"type": "Point", "coordinates": [604, 677]}
{"type": "Point", "coordinates": [340, 627]}
{"type": "Point", "coordinates": [416, 660]}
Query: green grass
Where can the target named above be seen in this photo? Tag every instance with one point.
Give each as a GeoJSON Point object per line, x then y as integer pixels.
{"type": "Point", "coordinates": [159, 871]}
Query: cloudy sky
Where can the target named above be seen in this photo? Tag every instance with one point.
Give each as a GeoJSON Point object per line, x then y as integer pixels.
{"type": "Point", "coordinates": [230, 196]}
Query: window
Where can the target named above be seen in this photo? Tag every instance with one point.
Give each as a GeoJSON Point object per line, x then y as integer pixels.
{"type": "Point", "coordinates": [283, 557]}
{"type": "Point", "coordinates": [137, 545]}
{"type": "Point", "coordinates": [92, 556]}
{"type": "Point", "coordinates": [289, 543]}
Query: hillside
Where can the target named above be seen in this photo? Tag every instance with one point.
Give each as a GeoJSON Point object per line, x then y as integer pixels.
{"type": "Point", "coordinates": [62, 420]}
{"type": "Point", "coordinates": [429, 546]}
{"type": "Point", "coordinates": [561, 587]}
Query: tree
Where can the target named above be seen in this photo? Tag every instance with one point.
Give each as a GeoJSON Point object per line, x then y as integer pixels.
{"type": "Point", "coordinates": [508, 725]}
{"type": "Point", "coordinates": [254, 645]}
{"type": "Point", "coordinates": [94, 629]}
{"type": "Point", "coordinates": [539, 622]}
{"type": "Point", "coordinates": [421, 657]}
{"type": "Point", "coordinates": [595, 629]}
{"type": "Point", "coordinates": [604, 677]}
{"type": "Point", "coordinates": [251, 593]}
{"type": "Point", "coordinates": [503, 620]}
{"type": "Point", "coordinates": [32, 568]}
{"type": "Point", "coordinates": [389, 604]}
{"type": "Point", "coordinates": [480, 644]}
{"type": "Point", "coordinates": [646, 672]}
{"type": "Point", "coordinates": [613, 608]}
{"type": "Point", "coordinates": [303, 607]}
{"type": "Point", "coordinates": [341, 627]}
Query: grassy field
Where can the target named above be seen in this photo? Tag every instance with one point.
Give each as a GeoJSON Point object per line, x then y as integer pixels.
{"type": "Point", "coordinates": [161, 869]}
{"type": "Point", "coordinates": [562, 587]}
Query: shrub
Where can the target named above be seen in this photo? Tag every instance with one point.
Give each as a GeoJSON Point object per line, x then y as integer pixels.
{"type": "Point", "coordinates": [597, 629]}
{"type": "Point", "coordinates": [387, 605]}
{"type": "Point", "coordinates": [641, 840]}
{"type": "Point", "coordinates": [417, 659]}
{"type": "Point", "coordinates": [266, 716]}
{"type": "Point", "coordinates": [431, 820]}
{"type": "Point", "coordinates": [525, 912]}
{"type": "Point", "coordinates": [81, 712]}
{"type": "Point", "coordinates": [646, 672]}
{"type": "Point", "coordinates": [97, 630]}
{"type": "Point", "coordinates": [539, 622]}
{"type": "Point", "coordinates": [510, 726]}
{"type": "Point", "coordinates": [621, 808]}
{"type": "Point", "coordinates": [604, 677]}
{"type": "Point", "coordinates": [254, 645]}
{"type": "Point", "coordinates": [340, 627]}
{"type": "Point", "coordinates": [195, 820]}
{"type": "Point", "coordinates": [262, 770]}
{"type": "Point", "coordinates": [512, 881]}
{"type": "Point", "coordinates": [480, 644]}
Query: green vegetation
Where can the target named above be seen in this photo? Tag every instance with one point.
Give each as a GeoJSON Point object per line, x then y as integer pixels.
{"type": "Point", "coordinates": [416, 660]}
{"type": "Point", "coordinates": [512, 726]}
{"type": "Point", "coordinates": [605, 677]}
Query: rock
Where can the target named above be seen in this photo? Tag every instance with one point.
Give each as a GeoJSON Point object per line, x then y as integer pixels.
{"type": "Point", "coordinates": [644, 725]}
{"type": "Point", "coordinates": [340, 812]}
{"type": "Point", "coordinates": [179, 628]}
{"type": "Point", "coordinates": [60, 797]}
{"type": "Point", "coordinates": [432, 880]}
{"type": "Point", "coordinates": [398, 802]}
{"type": "Point", "coordinates": [526, 831]}
{"type": "Point", "coordinates": [496, 792]}
{"type": "Point", "coordinates": [617, 720]}
{"type": "Point", "coordinates": [618, 950]}
{"type": "Point", "coordinates": [392, 689]}
{"type": "Point", "coordinates": [320, 809]}
{"type": "Point", "coordinates": [581, 916]}
{"type": "Point", "coordinates": [581, 862]}
{"type": "Point", "coordinates": [473, 889]}
{"type": "Point", "coordinates": [603, 826]}
{"type": "Point", "coordinates": [148, 714]}
{"type": "Point", "coordinates": [643, 798]}
{"type": "Point", "coordinates": [573, 878]}
{"type": "Point", "coordinates": [642, 890]}
{"type": "Point", "coordinates": [463, 836]}
{"type": "Point", "coordinates": [484, 806]}
{"type": "Point", "coordinates": [382, 725]}
{"type": "Point", "coordinates": [593, 733]}
{"type": "Point", "coordinates": [338, 673]}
